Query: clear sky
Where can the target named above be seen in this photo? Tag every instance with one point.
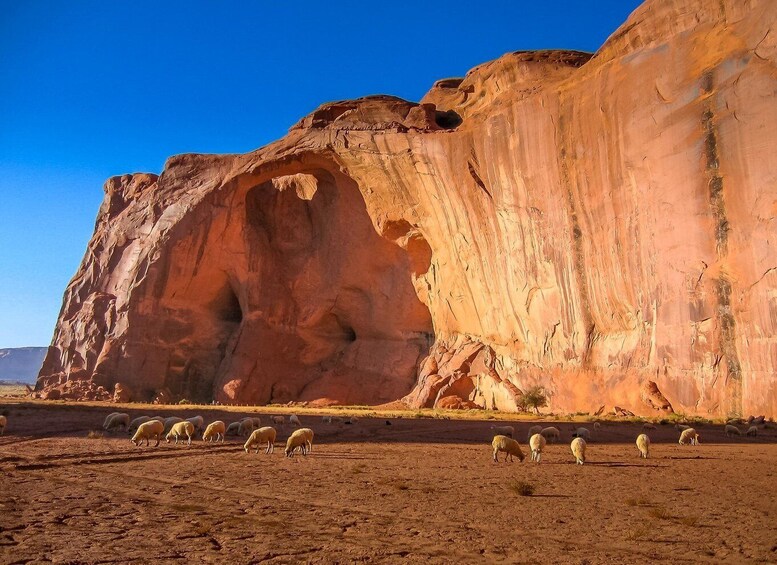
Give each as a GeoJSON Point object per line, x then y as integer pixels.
{"type": "Point", "coordinates": [89, 90]}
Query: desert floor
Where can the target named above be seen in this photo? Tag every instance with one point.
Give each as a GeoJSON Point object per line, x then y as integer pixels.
{"type": "Point", "coordinates": [418, 490]}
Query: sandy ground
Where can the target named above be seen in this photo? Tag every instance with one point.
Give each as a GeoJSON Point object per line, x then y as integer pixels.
{"type": "Point", "coordinates": [418, 490]}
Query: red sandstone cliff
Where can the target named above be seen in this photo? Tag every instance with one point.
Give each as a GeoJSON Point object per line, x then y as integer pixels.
{"type": "Point", "coordinates": [603, 226]}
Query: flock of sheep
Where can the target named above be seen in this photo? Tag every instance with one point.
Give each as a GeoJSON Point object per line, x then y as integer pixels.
{"type": "Point", "coordinates": [146, 428]}
{"type": "Point", "coordinates": [538, 437]}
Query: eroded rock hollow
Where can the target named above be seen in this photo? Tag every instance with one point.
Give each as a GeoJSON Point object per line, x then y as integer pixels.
{"type": "Point", "coordinates": [600, 225]}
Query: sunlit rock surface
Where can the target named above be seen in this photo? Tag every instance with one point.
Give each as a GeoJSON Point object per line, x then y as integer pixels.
{"type": "Point", "coordinates": [600, 225]}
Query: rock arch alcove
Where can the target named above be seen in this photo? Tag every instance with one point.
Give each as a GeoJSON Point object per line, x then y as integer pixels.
{"type": "Point", "coordinates": [331, 312]}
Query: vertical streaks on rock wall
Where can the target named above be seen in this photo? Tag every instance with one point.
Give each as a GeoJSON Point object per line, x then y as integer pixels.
{"type": "Point", "coordinates": [726, 321]}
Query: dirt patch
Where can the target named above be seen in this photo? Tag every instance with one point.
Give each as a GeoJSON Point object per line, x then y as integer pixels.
{"type": "Point", "coordinates": [416, 490]}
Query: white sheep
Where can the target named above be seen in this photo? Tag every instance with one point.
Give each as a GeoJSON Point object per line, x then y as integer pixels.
{"type": "Point", "coordinates": [551, 433]}
{"type": "Point", "coordinates": [277, 420]}
{"type": "Point", "coordinates": [643, 445]}
{"type": "Point", "coordinates": [584, 433]}
{"type": "Point", "coordinates": [689, 436]}
{"type": "Point", "coordinates": [198, 422]}
{"type": "Point", "coordinates": [732, 430]}
{"type": "Point", "coordinates": [134, 424]}
{"type": "Point", "coordinates": [260, 436]}
{"type": "Point", "coordinates": [180, 429]}
{"type": "Point", "coordinates": [214, 430]}
{"type": "Point", "coordinates": [507, 445]}
{"type": "Point", "coordinates": [146, 430]}
{"type": "Point", "coordinates": [3, 423]}
{"type": "Point", "coordinates": [117, 420]}
{"type": "Point", "coordinates": [648, 426]}
{"type": "Point", "coordinates": [171, 421]}
{"type": "Point", "coordinates": [533, 430]}
{"type": "Point", "coordinates": [508, 431]}
{"type": "Point", "coordinates": [752, 431]}
{"type": "Point", "coordinates": [537, 444]}
{"type": "Point", "coordinates": [302, 438]}
{"type": "Point", "coordinates": [294, 420]}
{"type": "Point", "coordinates": [578, 450]}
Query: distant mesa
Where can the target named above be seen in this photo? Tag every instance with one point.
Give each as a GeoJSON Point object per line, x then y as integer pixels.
{"type": "Point", "coordinates": [21, 364]}
{"type": "Point", "coordinates": [601, 226]}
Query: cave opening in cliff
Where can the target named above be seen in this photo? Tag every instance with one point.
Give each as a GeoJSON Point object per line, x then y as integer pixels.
{"type": "Point", "coordinates": [330, 313]}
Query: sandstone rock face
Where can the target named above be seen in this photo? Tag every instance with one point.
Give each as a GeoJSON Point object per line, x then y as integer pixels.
{"type": "Point", "coordinates": [600, 225]}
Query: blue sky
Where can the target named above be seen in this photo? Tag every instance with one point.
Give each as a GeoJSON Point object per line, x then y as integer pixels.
{"type": "Point", "coordinates": [95, 89]}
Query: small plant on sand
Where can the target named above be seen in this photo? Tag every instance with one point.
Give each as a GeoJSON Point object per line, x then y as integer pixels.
{"type": "Point", "coordinates": [659, 512]}
{"type": "Point", "coordinates": [94, 435]}
{"type": "Point", "coordinates": [184, 401]}
{"type": "Point", "coordinates": [535, 398]}
{"type": "Point", "coordinates": [522, 488]}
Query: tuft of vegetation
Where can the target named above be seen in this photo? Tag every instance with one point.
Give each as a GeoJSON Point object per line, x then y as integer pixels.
{"type": "Point", "coordinates": [522, 488]}
{"type": "Point", "coordinates": [659, 512]}
{"type": "Point", "coordinates": [184, 401]}
{"type": "Point", "coordinates": [534, 399]}
{"type": "Point", "coordinates": [94, 435]}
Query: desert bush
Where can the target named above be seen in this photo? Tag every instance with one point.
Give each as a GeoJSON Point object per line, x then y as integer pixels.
{"type": "Point", "coordinates": [522, 488]}
{"type": "Point", "coordinates": [94, 435]}
{"type": "Point", "coordinates": [534, 399]}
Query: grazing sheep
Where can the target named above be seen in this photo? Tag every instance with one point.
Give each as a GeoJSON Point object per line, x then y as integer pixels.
{"type": "Point", "coordinates": [508, 431]}
{"type": "Point", "coordinates": [246, 427]}
{"type": "Point", "coordinates": [326, 420]}
{"type": "Point", "coordinates": [533, 430]}
{"type": "Point", "coordinates": [259, 437]}
{"type": "Point", "coordinates": [302, 438]}
{"type": "Point", "coordinates": [689, 436]}
{"type": "Point", "coordinates": [752, 431]}
{"type": "Point", "coordinates": [180, 429]}
{"type": "Point", "coordinates": [257, 422]}
{"type": "Point", "coordinates": [578, 450]}
{"type": "Point", "coordinates": [214, 430]}
{"type": "Point", "coordinates": [3, 422]}
{"type": "Point", "coordinates": [648, 426]}
{"type": "Point", "coordinates": [682, 427]}
{"type": "Point", "coordinates": [147, 430]}
{"type": "Point", "coordinates": [135, 424]}
{"type": "Point", "coordinates": [233, 429]}
{"type": "Point", "coordinates": [108, 419]}
{"type": "Point", "coordinates": [643, 445]}
{"type": "Point", "coordinates": [508, 445]}
{"type": "Point", "coordinates": [117, 420]}
{"type": "Point", "coordinates": [758, 421]}
{"type": "Point", "coordinates": [551, 433]}
{"type": "Point", "coordinates": [277, 420]}
{"type": "Point", "coordinates": [584, 433]}
{"type": "Point", "coordinates": [294, 420]}
{"type": "Point", "coordinates": [537, 444]}
{"type": "Point", "coordinates": [198, 422]}
{"type": "Point", "coordinates": [732, 430]}
{"type": "Point", "coordinates": [171, 421]}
